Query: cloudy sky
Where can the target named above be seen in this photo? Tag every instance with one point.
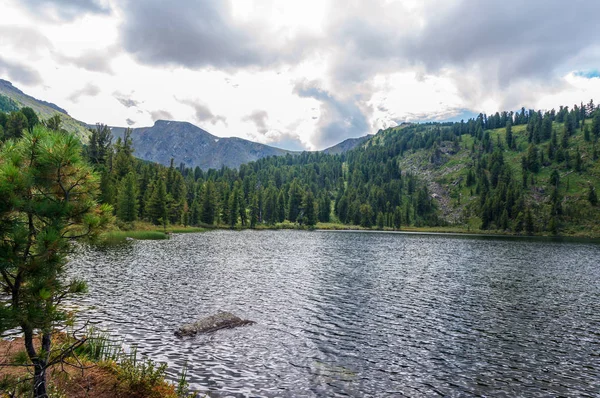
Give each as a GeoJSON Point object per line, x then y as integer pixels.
{"type": "Point", "coordinates": [299, 74]}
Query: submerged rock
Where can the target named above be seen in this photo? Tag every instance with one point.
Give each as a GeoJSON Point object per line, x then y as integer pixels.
{"type": "Point", "coordinates": [221, 320]}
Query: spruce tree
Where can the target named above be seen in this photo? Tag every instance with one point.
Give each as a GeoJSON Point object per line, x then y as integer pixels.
{"type": "Point", "coordinates": [592, 197]}
{"type": "Point", "coordinates": [294, 201]}
{"type": "Point", "coordinates": [234, 202]}
{"type": "Point", "coordinates": [529, 226]}
{"type": "Point", "coordinates": [509, 135]}
{"type": "Point", "coordinates": [281, 210]}
{"type": "Point", "coordinates": [324, 208]}
{"type": "Point", "coordinates": [308, 205]}
{"type": "Point", "coordinates": [127, 200]}
{"type": "Point", "coordinates": [156, 208]}
{"type": "Point", "coordinates": [209, 205]}
{"type": "Point", "coordinates": [254, 211]}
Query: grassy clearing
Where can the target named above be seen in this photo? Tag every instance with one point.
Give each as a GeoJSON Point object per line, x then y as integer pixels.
{"type": "Point", "coordinates": [115, 237]}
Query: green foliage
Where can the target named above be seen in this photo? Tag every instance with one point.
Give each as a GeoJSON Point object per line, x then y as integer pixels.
{"type": "Point", "coordinates": [127, 200]}
{"type": "Point", "coordinates": [156, 209]}
{"type": "Point", "coordinates": [32, 118]}
{"type": "Point", "coordinates": [7, 104]}
{"type": "Point", "coordinates": [592, 197]}
{"type": "Point", "coordinates": [141, 377]}
{"type": "Point", "coordinates": [54, 123]}
{"type": "Point", "coordinates": [472, 166]}
{"type": "Point", "coordinates": [16, 124]}
{"type": "Point", "coordinates": [47, 199]}
{"type": "Point", "coordinates": [308, 206]}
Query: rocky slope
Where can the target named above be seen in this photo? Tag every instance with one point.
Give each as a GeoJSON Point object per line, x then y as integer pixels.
{"type": "Point", "coordinates": [193, 146]}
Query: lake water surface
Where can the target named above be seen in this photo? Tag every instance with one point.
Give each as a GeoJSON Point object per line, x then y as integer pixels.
{"type": "Point", "coordinates": [358, 314]}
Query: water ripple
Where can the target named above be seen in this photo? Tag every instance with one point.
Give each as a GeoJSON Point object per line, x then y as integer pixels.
{"type": "Point", "coordinates": [358, 314]}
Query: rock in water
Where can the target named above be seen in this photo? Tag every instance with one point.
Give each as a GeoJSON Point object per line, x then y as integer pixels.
{"type": "Point", "coordinates": [221, 320]}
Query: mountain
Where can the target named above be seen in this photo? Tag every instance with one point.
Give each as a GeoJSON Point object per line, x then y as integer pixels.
{"type": "Point", "coordinates": [44, 109]}
{"type": "Point", "coordinates": [193, 146]}
{"type": "Point", "coordinates": [165, 140]}
{"type": "Point", "coordinates": [347, 145]}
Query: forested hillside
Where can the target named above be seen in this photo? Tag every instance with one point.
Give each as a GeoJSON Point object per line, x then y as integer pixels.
{"type": "Point", "coordinates": [524, 172]}
{"type": "Point", "coordinates": [11, 99]}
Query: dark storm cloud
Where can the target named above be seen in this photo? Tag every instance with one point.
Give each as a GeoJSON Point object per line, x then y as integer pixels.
{"type": "Point", "coordinates": [202, 112]}
{"type": "Point", "coordinates": [519, 39]}
{"type": "Point", "coordinates": [505, 40]}
{"type": "Point", "coordinates": [259, 118]}
{"type": "Point", "coordinates": [89, 90]}
{"type": "Point", "coordinates": [160, 115]}
{"type": "Point", "coordinates": [201, 33]}
{"type": "Point", "coordinates": [340, 119]}
{"type": "Point", "coordinates": [66, 9]}
{"type": "Point", "coordinates": [17, 72]}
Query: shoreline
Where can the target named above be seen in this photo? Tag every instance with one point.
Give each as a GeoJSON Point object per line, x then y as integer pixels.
{"type": "Point", "coordinates": [150, 232]}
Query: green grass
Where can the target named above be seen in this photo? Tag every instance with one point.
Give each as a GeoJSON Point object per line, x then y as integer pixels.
{"type": "Point", "coordinates": [114, 237]}
{"type": "Point", "coordinates": [185, 230]}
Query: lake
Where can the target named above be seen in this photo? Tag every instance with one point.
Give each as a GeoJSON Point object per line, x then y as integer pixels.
{"type": "Point", "coordinates": [358, 313]}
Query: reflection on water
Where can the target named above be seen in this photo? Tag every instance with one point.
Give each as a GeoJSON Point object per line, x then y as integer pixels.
{"type": "Point", "coordinates": [359, 314]}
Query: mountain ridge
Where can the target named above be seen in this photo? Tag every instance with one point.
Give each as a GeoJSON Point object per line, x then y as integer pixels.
{"type": "Point", "coordinates": [44, 109]}
{"type": "Point", "coordinates": [169, 139]}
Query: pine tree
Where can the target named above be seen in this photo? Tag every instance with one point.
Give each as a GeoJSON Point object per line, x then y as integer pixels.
{"type": "Point", "coordinates": [555, 178]}
{"type": "Point", "coordinates": [592, 197]}
{"type": "Point", "coordinates": [529, 226]}
{"type": "Point", "coordinates": [398, 217]}
{"type": "Point", "coordinates": [533, 163]}
{"type": "Point", "coordinates": [32, 118]}
{"type": "Point", "coordinates": [156, 208]}
{"type": "Point", "coordinates": [127, 200]}
{"type": "Point", "coordinates": [324, 208]}
{"type": "Point", "coordinates": [578, 161]}
{"type": "Point", "coordinates": [254, 211]}
{"type": "Point", "coordinates": [281, 211]}
{"type": "Point", "coordinates": [308, 205]}
{"type": "Point", "coordinates": [596, 124]}
{"type": "Point", "coordinates": [47, 200]}
{"type": "Point", "coordinates": [509, 135]}
{"type": "Point", "coordinates": [366, 215]}
{"type": "Point", "coordinates": [207, 215]}
{"type": "Point", "coordinates": [380, 220]}
{"type": "Point", "coordinates": [195, 213]}
{"type": "Point", "coordinates": [294, 201]}
{"type": "Point", "coordinates": [123, 159]}
{"type": "Point", "coordinates": [234, 202]}
{"type": "Point", "coordinates": [177, 204]}
{"type": "Point", "coordinates": [100, 145]}
{"type": "Point", "coordinates": [586, 133]}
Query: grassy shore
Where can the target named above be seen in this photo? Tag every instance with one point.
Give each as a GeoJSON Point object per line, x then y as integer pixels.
{"type": "Point", "coordinates": [145, 231]}
{"type": "Point", "coordinates": [97, 369]}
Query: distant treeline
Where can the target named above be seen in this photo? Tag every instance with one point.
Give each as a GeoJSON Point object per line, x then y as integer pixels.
{"type": "Point", "coordinates": [368, 185]}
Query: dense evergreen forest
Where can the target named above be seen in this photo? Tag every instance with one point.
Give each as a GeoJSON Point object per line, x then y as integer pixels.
{"type": "Point", "coordinates": [523, 172]}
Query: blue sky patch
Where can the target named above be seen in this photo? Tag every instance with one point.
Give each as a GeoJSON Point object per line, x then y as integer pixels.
{"type": "Point", "coordinates": [588, 74]}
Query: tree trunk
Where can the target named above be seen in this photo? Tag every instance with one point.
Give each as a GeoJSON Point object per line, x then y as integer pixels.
{"type": "Point", "coordinates": [39, 380]}
{"type": "Point", "coordinates": [39, 364]}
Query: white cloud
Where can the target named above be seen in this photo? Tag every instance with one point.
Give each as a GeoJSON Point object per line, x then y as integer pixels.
{"type": "Point", "coordinates": [374, 63]}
